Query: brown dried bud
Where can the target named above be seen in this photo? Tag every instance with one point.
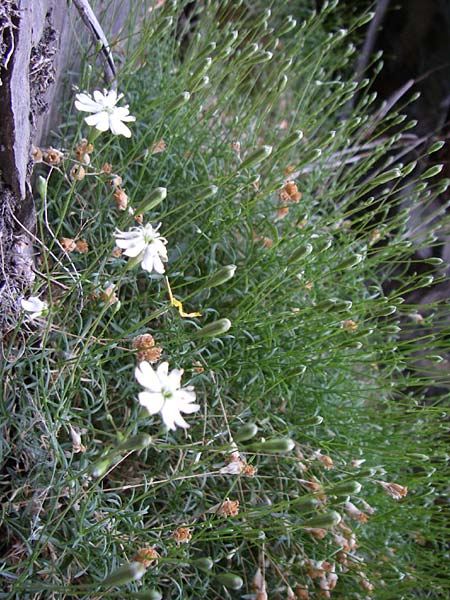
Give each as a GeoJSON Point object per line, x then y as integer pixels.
{"type": "Point", "coordinates": [121, 199]}
{"type": "Point", "coordinates": [77, 172]}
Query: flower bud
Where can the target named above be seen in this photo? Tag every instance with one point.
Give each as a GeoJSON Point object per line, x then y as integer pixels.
{"type": "Point", "coordinates": [432, 171]}
{"type": "Point", "coordinates": [351, 262]}
{"type": "Point", "coordinates": [290, 140]}
{"type": "Point", "coordinates": [178, 102]}
{"type": "Point", "coordinates": [325, 521]}
{"type": "Point", "coordinates": [128, 572]}
{"type": "Point", "coordinates": [153, 199]}
{"type": "Point", "coordinates": [211, 190]}
{"type": "Point", "coordinates": [220, 276]}
{"type": "Point", "coordinates": [136, 442]}
{"type": "Point", "coordinates": [230, 581]}
{"type": "Point", "coordinates": [282, 83]}
{"type": "Point", "coordinates": [203, 564]}
{"type": "Point", "coordinates": [213, 329]}
{"type": "Point", "coordinates": [258, 156]}
{"type": "Point", "coordinates": [305, 503]}
{"type": "Point", "coordinates": [409, 168]}
{"type": "Point", "coordinates": [346, 488]}
{"type": "Point", "coordinates": [385, 177]}
{"type": "Point", "coordinates": [287, 26]}
{"type": "Point", "coordinates": [433, 260]}
{"type": "Point", "coordinates": [316, 420]}
{"type": "Point", "coordinates": [201, 70]}
{"type": "Point", "coordinates": [385, 311]}
{"type": "Point", "coordinates": [99, 468]}
{"type": "Point", "coordinates": [301, 252]}
{"type": "Point", "coordinates": [264, 56]}
{"type": "Point", "coordinates": [246, 432]}
{"type": "Point", "coordinates": [165, 24]}
{"type": "Point", "coordinates": [274, 445]}
{"type": "Point", "coordinates": [41, 185]}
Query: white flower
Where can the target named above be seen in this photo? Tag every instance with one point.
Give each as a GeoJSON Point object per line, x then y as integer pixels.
{"type": "Point", "coordinates": [163, 393]}
{"type": "Point", "coordinates": [34, 306]}
{"type": "Point", "coordinates": [145, 244]}
{"type": "Point", "coordinates": [106, 115]}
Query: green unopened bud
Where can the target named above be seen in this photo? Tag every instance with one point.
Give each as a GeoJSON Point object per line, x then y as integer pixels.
{"type": "Point", "coordinates": [409, 168]}
{"type": "Point", "coordinates": [262, 20]}
{"type": "Point", "coordinates": [203, 564]}
{"type": "Point", "coordinates": [258, 156]}
{"type": "Point", "coordinates": [305, 504]}
{"type": "Point", "coordinates": [351, 262]}
{"type": "Point", "coordinates": [290, 140]}
{"type": "Point", "coordinates": [220, 276]}
{"type": "Point", "coordinates": [385, 311]}
{"type": "Point", "coordinates": [436, 147]}
{"type": "Point", "coordinates": [385, 177]}
{"type": "Point", "coordinates": [155, 197]}
{"type": "Point", "coordinates": [436, 358]}
{"type": "Point", "coordinates": [316, 420]}
{"type": "Point", "coordinates": [213, 329]}
{"type": "Point", "coordinates": [201, 70]}
{"type": "Point", "coordinates": [136, 442]}
{"type": "Point", "coordinates": [433, 260]}
{"type": "Point", "coordinates": [246, 432]}
{"type": "Point", "coordinates": [334, 304]}
{"type": "Point", "coordinates": [230, 581]}
{"type": "Point", "coordinates": [211, 190]}
{"type": "Point", "coordinates": [413, 122]}
{"type": "Point", "coordinates": [347, 488]}
{"type": "Point", "coordinates": [324, 244]}
{"type": "Point", "coordinates": [282, 83]}
{"type": "Point", "coordinates": [287, 26]}
{"type": "Point", "coordinates": [162, 27]}
{"type": "Point", "coordinates": [99, 468]}
{"type": "Point", "coordinates": [301, 252]}
{"type": "Point", "coordinates": [178, 102]}
{"type": "Point", "coordinates": [432, 171]}
{"type": "Point", "coordinates": [274, 445]}
{"type": "Point", "coordinates": [326, 521]}
{"type": "Point", "coordinates": [131, 571]}
{"type": "Point", "coordinates": [262, 57]}
{"type": "Point", "coordinates": [365, 19]}
{"type": "Point", "coordinates": [418, 456]}
{"type": "Point", "coordinates": [41, 186]}
{"type": "Point", "coordinates": [285, 64]}
{"type": "Point", "coordinates": [391, 329]}
{"type": "Point", "coordinates": [249, 51]}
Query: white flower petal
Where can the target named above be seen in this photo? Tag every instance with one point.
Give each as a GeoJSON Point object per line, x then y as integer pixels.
{"type": "Point", "coordinates": [151, 401]}
{"type": "Point", "coordinates": [162, 371]}
{"type": "Point", "coordinates": [174, 379]}
{"type": "Point", "coordinates": [118, 128]}
{"type": "Point", "coordinates": [85, 103]}
{"type": "Point", "coordinates": [110, 99]}
{"type": "Point", "coordinates": [147, 377]}
{"type": "Point", "coordinates": [98, 120]}
{"type": "Point", "coordinates": [158, 265]}
{"type": "Point", "coordinates": [189, 408]}
{"type": "Point", "coordinates": [133, 251]}
{"type": "Point", "coordinates": [148, 261]}
{"type": "Point", "coordinates": [178, 419]}
{"type": "Point", "coordinates": [171, 416]}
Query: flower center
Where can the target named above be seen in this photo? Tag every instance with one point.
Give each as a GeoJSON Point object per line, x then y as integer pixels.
{"type": "Point", "coordinates": [167, 394]}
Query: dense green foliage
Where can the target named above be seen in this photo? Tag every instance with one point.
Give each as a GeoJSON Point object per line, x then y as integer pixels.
{"type": "Point", "coordinates": [324, 355]}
